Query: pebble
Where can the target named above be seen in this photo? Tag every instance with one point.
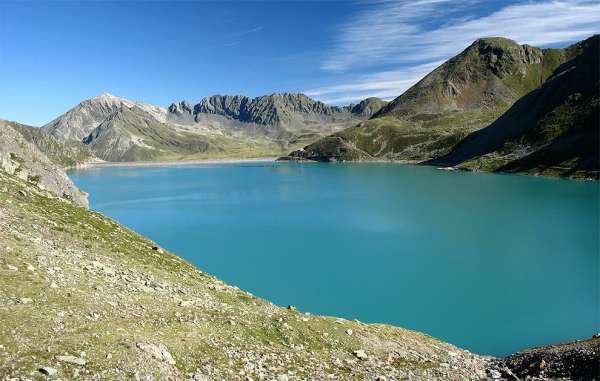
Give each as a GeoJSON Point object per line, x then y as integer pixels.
{"type": "Point", "coordinates": [12, 268]}
{"type": "Point", "coordinates": [71, 360]}
{"type": "Point", "coordinates": [360, 354]}
{"type": "Point", "coordinates": [349, 332]}
{"type": "Point", "coordinates": [25, 300]}
{"type": "Point", "coordinates": [283, 377]}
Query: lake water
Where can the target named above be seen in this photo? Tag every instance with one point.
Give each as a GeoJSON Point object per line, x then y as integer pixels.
{"type": "Point", "coordinates": [491, 263]}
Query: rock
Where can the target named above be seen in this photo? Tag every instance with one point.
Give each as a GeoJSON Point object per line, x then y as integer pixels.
{"type": "Point", "coordinates": [199, 377]}
{"type": "Point", "coordinates": [12, 268]}
{"type": "Point", "coordinates": [157, 351]}
{"type": "Point", "coordinates": [577, 360]}
{"type": "Point", "coordinates": [25, 300]}
{"type": "Point", "coordinates": [157, 249]}
{"type": "Point", "coordinates": [71, 360]}
{"type": "Point", "coordinates": [22, 193]}
{"type": "Point", "coordinates": [349, 332]}
{"type": "Point", "coordinates": [291, 308]}
{"type": "Point", "coordinates": [48, 371]}
{"type": "Point", "coordinates": [360, 354]}
{"type": "Point", "coordinates": [381, 378]}
{"type": "Point", "coordinates": [282, 377]}
{"type": "Point", "coordinates": [186, 303]}
{"type": "Point", "coordinates": [494, 374]}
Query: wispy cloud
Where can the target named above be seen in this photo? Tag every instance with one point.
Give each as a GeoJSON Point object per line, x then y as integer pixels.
{"type": "Point", "coordinates": [413, 35]}
{"type": "Point", "coordinates": [385, 85]}
{"type": "Point", "coordinates": [236, 37]}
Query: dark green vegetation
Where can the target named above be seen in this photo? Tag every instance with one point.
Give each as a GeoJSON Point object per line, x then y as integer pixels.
{"type": "Point", "coordinates": [82, 297]}
{"type": "Point", "coordinates": [552, 129]}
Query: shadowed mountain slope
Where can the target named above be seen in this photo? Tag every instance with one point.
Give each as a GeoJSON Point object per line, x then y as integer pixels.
{"type": "Point", "coordinates": [552, 130]}
{"type": "Point", "coordinates": [541, 107]}
{"type": "Point", "coordinates": [464, 94]}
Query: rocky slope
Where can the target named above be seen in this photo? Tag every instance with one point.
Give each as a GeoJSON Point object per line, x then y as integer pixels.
{"type": "Point", "coordinates": [463, 95]}
{"type": "Point", "coordinates": [24, 160]}
{"type": "Point", "coordinates": [82, 297]}
{"type": "Point", "coordinates": [577, 360]}
{"type": "Point", "coordinates": [64, 154]}
{"type": "Point", "coordinates": [292, 110]}
{"type": "Point", "coordinates": [553, 130]}
{"type": "Point", "coordinates": [116, 129]}
{"type": "Point", "coordinates": [79, 121]}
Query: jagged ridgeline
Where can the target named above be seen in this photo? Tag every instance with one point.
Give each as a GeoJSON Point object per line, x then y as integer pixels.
{"type": "Point", "coordinates": [470, 92]}
{"type": "Point", "coordinates": [116, 129]}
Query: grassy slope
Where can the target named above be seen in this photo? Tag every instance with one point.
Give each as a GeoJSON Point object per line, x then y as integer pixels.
{"type": "Point", "coordinates": [553, 130]}
{"type": "Point", "coordinates": [74, 281]}
{"type": "Point", "coordinates": [132, 135]}
{"type": "Point", "coordinates": [463, 95]}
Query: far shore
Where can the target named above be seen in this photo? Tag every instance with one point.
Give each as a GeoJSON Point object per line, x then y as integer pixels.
{"type": "Point", "coordinates": [174, 163]}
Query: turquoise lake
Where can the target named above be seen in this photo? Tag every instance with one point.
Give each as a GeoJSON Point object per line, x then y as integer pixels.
{"type": "Point", "coordinates": [491, 263]}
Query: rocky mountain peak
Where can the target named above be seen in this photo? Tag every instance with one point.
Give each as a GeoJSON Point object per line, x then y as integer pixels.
{"type": "Point", "coordinates": [491, 71]}
{"type": "Point", "coordinates": [502, 55]}
{"type": "Point", "coordinates": [368, 107]}
{"type": "Point", "coordinates": [181, 108]}
{"type": "Point", "coordinates": [109, 100]}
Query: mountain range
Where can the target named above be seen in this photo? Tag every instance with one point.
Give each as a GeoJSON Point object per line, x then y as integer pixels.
{"type": "Point", "coordinates": [496, 106]}
{"type": "Point", "coordinates": [117, 129]}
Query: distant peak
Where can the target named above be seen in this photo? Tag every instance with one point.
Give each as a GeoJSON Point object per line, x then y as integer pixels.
{"type": "Point", "coordinates": [105, 95]}
{"type": "Point", "coordinates": [109, 99]}
{"type": "Point", "coordinates": [499, 42]}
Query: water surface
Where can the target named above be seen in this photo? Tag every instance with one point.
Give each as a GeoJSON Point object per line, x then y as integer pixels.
{"type": "Point", "coordinates": [491, 263]}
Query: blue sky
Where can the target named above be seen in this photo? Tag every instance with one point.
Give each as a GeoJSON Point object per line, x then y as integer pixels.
{"type": "Point", "coordinates": [55, 54]}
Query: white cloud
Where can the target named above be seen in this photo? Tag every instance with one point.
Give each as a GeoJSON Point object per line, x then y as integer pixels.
{"type": "Point", "coordinates": [423, 32]}
{"type": "Point", "coordinates": [386, 85]}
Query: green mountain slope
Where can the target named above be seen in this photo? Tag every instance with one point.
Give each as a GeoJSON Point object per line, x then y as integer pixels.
{"type": "Point", "coordinates": [82, 297]}
{"type": "Point", "coordinates": [553, 130]}
{"type": "Point", "coordinates": [464, 94]}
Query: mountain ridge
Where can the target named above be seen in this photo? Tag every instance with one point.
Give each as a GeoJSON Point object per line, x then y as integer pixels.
{"type": "Point", "coordinates": [463, 95]}
{"type": "Point", "coordinates": [219, 126]}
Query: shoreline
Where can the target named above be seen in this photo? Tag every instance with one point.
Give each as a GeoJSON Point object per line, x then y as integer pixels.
{"type": "Point", "coordinates": [174, 163]}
